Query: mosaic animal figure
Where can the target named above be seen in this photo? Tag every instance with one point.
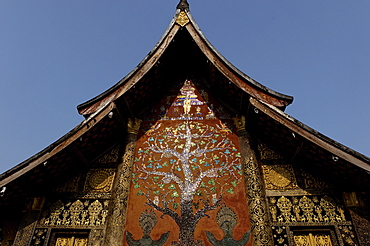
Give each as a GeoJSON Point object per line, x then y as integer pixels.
{"type": "Point", "coordinates": [146, 240]}
{"type": "Point", "coordinates": [227, 220]}
{"type": "Point", "coordinates": [147, 221]}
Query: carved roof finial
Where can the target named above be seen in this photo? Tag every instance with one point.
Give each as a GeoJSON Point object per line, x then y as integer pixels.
{"type": "Point", "coordinates": [183, 5]}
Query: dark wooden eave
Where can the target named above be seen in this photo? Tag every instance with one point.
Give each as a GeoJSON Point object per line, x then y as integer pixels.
{"type": "Point", "coordinates": [72, 151]}
{"type": "Point", "coordinates": [310, 149]}
{"type": "Point", "coordinates": [230, 72]}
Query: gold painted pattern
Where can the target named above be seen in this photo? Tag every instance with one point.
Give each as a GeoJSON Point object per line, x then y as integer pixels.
{"type": "Point", "coordinates": [71, 241]}
{"type": "Point", "coordinates": [280, 235]}
{"type": "Point", "coordinates": [362, 225]}
{"type": "Point", "coordinates": [182, 19]}
{"type": "Point", "coordinates": [25, 231]}
{"type": "Point", "coordinates": [124, 183]}
{"type": "Point", "coordinates": [239, 123]}
{"type": "Point", "coordinates": [309, 239]}
{"type": "Point", "coordinates": [77, 213]}
{"type": "Point", "coordinates": [261, 229]}
{"type": "Point", "coordinates": [39, 237]}
{"type": "Point", "coordinates": [279, 177]}
{"type": "Point", "coordinates": [257, 206]}
{"type": "Point", "coordinates": [306, 209]}
{"type": "Point", "coordinates": [99, 180]}
{"type": "Point", "coordinates": [117, 218]}
{"type": "Point", "coordinates": [133, 126]}
{"type": "Point", "coordinates": [348, 235]}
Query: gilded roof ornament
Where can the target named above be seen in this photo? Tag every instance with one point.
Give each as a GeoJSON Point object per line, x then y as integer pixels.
{"type": "Point", "coordinates": [133, 125]}
{"type": "Point", "coordinates": [182, 19]}
{"type": "Point", "coordinates": [239, 123]}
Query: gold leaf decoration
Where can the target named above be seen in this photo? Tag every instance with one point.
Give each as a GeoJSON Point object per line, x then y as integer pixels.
{"type": "Point", "coordinates": [279, 177]}
{"type": "Point", "coordinates": [306, 209]}
{"type": "Point", "coordinates": [77, 213]}
{"type": "Point", "coordinates": [99, 180]}
{"type": "Point", "coordinates": [182, 19]}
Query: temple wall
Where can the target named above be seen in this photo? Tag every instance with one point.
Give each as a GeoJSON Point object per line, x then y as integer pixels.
{"type": "Point", "coordinates": [191, 173]}
{"type": "Point", "coordinates": [76, 210]}
{"type": "Point", "coordinates": [307, 210]}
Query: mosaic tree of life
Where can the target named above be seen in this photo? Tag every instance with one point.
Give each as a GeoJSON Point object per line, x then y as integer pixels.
{"type": "Point", "coordinates": [184, 168]}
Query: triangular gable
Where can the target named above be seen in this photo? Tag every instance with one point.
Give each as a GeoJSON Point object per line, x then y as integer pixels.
{"type": "Point", "coordinates": [184, 21]}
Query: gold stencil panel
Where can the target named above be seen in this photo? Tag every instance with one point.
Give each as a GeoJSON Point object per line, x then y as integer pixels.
{"type": "Point", "coordinates": [99, 180]}
{"type": "Point", "coordinates": [279, 177]}
{"type": "Point", "coordinates": [348, 235]}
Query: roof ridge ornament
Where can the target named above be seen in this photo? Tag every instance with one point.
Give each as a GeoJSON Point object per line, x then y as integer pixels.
{"type": "Point", "coordinates": [183, 5]}
{"type": "Point", "coordinates": [182, 18]}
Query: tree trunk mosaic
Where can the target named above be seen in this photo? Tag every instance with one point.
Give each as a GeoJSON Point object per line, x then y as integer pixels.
{"type": "Point", "coordinates": [187, 184]}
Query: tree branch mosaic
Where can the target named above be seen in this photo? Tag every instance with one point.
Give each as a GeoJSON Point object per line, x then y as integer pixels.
{"type": "Point", "coordinates": [187, 168]}
{"type": "Point", "coordinates": [182, 164]}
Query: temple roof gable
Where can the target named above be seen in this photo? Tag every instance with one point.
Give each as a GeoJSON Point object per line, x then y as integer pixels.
{"type": "Point", "coordinates": [184, 22]}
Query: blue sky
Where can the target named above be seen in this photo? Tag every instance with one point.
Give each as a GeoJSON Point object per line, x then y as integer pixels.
{"type": "Point", "coordinates": [55, 55]}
